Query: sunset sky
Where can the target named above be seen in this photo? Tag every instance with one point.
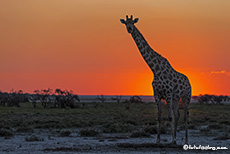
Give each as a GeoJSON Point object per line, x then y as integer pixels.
{"type": "Point", "coordinates": [81, 44]}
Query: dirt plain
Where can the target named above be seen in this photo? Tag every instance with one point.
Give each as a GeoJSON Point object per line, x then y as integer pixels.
{"type": "Point", "coordinates": [109, 128]}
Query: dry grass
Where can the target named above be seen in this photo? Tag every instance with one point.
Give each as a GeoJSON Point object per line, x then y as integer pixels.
{"type": "Point", "coordinates": [109, 117]}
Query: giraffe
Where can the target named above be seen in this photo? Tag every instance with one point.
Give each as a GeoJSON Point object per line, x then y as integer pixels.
{"type": "Point", "coordinates": [168, 84]}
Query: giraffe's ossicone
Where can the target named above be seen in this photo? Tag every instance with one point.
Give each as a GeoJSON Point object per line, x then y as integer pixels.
{"type": "Point", "coordinates": [168, 84]}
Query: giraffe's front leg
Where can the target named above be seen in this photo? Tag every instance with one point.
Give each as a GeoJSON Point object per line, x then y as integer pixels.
{"type": "Point", "coordinates": [171, 118]}
{"type": "Point", "coordinates": [157, 97]}
{"type": "Point", "coordinates": [158, 119]}
{"type": "Point", "coordinates": [186, 102]}
{"type": "Point", "coordinates": [176, 113]}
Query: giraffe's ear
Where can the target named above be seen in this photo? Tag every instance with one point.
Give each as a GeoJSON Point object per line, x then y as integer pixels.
{"type": "Point", "coordinates": [135, 20]}
{"type": "Point", "coordinates": [122, 21]}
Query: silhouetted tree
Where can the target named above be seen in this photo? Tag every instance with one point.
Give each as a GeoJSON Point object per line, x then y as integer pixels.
{"type": "Point", "coordinates": [3, 98]}
{"type": "Point", "coordinates": [135, 99]}
{"type": "Point", "coordinates": [212, 98]}
{"type": "Point", "coordinates": [43, 96]}
{"type": "Point", "coordinates": [117, 98]}
{"type": "Point", "coordinates": [217, 99]}
{"type": "Point", "coordinates": [204, 99]}
{"type": "Point", "coordinates": [15, 98]}
{"type": "Point", "coordinates": [66, 98]}
{"type": "Point", "coordinates": [101, 98]}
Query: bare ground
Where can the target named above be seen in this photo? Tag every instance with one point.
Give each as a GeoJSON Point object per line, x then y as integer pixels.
{"type": "Point", "coordinates": [38, 130]}
{"type": "Point", "coordinates": [52, 142]}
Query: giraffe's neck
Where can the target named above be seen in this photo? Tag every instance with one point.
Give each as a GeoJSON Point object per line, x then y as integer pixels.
{"type": "Point", "coordinates": [150, 56]}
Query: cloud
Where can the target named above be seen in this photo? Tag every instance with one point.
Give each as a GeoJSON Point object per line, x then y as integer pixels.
{"type": "Point", "coordinates": [221, 72]}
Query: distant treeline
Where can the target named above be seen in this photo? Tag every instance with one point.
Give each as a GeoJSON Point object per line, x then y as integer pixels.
{"type": "Point", "coordinates": [47, 97]}
{"type": "Point", "coordinates": [57, 98]}
{"type": "Point", "coordinates": [213, 99]}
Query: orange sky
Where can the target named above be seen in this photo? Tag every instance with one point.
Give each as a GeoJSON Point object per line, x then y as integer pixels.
{"type": "Point", "coordinates": [81, 44]}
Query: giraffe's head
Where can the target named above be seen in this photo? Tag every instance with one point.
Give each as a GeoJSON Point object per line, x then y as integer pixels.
{"type": "Point", "coordinates": [129, 23]}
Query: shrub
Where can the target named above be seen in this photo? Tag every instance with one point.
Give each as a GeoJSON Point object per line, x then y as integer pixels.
{"type": "Point", "coordinates": [89, 133]}
{"type": "Point", "coordinates": [225, 122]}
{"type": "Point", "coordinates": [24, 130]}
{"type": "Point", "coordinates": [33, 138]}
{"type": "Point", "coordinates": [205, 129]}
{"type": "Point", "coordinates": [140, 134]}
{"type": "Point", "coordinates": [5, 133]}
{"type": "Point", "coordinates": [132, 122]}
{"type": "Point", "coordinates": [117, 128]}
{"type": "Point", "coordinates": [48, 124]}
{"type": "Point", "coordinates": [215, 126]}
{"type": "Point", "coordinates": [191, 126]}
{"type": "Point", "coordinates": [65, 133]}
{"type": "Point", "coordinates": [163, 130]}
{"type": "Point", "coordinates": [151, 129]}
{"type": "Point", "coordinates": [222, 138]}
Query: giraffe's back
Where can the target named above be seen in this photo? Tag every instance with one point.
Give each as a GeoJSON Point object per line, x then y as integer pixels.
{"type": "Point", "coordinates": [167, 80]}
